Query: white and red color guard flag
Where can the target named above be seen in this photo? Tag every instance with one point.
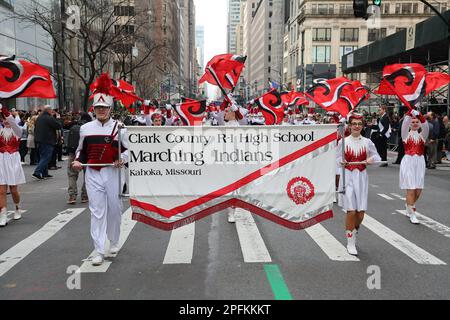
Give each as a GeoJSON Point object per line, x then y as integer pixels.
{"type": "Point", "coordinates": [410, 82]}
{"type": "Point", "coordinates": [282, 173]}
{"type": "Point", "coordinates": [191, 112]}
{"type": "Point", "coordinates": [333, 95]}
{"type": "Point", "coordinates": [224, 71]}
{"type": "Point", "coordinates": [19, 78]}
{"type": "Point", "coordinates": [294, 99]}
{"type": "Point", "coordinates": [272, 107]}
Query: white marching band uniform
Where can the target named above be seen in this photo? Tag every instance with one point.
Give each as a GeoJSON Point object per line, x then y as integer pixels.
{"type": "Point", "coordinates": [412, 167]}
{"type": "Point", "coordinates": [99, 145]}
{"type": "Point", "coordinates": [356, 178]}
{"type": "Point", "coordinates": [11, 171]}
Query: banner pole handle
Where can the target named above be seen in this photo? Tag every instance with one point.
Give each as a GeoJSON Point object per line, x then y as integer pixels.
{"type": "Point", "coordinates": [119, 137]}
{"type": "Point", "coordinates": [342, 132]}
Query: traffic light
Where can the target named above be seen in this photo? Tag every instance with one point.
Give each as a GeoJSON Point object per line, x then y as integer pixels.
{"type": "Point", "coordinates": [376, 3]}
{"type": "Point", "coordinates": [360, 8]}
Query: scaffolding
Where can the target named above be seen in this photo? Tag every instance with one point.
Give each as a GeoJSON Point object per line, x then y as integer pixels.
{"type": "Point", "coordinates": [427, 43]}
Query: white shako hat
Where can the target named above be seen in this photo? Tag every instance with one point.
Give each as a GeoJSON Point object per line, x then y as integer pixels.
{"type": "Point", "coordinates": [103, 100]}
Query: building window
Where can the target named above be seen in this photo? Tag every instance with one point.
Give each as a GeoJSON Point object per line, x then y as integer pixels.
{"type": "Point", "coordinates": [349, 34]}
{"type": "Point", "coordinates": [322, 34]}
{"type": "Point", "coordinates": [398, 7]}
{"type": "Point", "coordinates": [343, 50]}
{"type": "Point", "coordinates": [376, 34]}
{"type": "Point", "coordinates": [346, 9]}
{"type": "Point", "coordinates": [415, 8]}
{"type": "Point", "coordinates": [322, 9]}
{"type": "Point", "coordinates": [124, 11]}
{"type": "Point", "coordinates": [385, 8]}
{"type": "Point", "coordinates": [406, 8]}
{"type": "Point", "coordinates": [321, 54]}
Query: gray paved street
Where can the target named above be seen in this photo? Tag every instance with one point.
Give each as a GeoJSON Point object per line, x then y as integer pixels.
{"type": "Point", "coordinates": [413, 261]}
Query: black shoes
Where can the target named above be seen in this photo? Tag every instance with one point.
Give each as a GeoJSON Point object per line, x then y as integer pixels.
{"type": "Point", "coordinates": [38, 176]}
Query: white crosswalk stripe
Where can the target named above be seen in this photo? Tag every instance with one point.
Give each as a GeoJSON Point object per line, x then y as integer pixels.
{"type": "Point", "coordinates": [430, 223]}
{"type": "Point", "coordinates": [253, 248]}
{"type": "Point", "coordinates": [329, 244]}
{"type": "Point", "coordinates": [398, 196]}
{"type": "Point", "coordinates": [21, 250]}
{"type": "Point", "coordinates": [385, 196]}
{"type": "Point", "coordinates": [125, 230]}
{"type": "Point", "coordinates": [181, 245]}
{"type": "Point", "coordinates": [410, 249]}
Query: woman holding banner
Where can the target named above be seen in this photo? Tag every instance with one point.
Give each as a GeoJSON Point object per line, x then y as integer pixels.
{"type": "Point", "coordinates": [359, 152]}
{"type": "Point", "coordinates": [412, 167]}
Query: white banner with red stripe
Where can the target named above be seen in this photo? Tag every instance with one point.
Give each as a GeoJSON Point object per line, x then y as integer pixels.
{"type": "Point", "coordinates": [283, 173]}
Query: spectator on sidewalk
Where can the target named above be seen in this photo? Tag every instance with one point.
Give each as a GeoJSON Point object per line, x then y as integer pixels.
{"type": "Point", "coordinates": [31, 145]}
{"type": "Point", "coordinates": [45, 135]}
{"type": "Point", "coordinates": [432, 140]}
{"type": "Point", "coordinates": [447, 137]}
{"type": "Point", "coordinates": [382, 132]}
{"type": "Point", "coordinates": [72, 145]}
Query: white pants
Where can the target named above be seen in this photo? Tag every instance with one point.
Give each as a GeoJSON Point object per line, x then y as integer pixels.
{"type": "Point", "coordinates": [105, 206]}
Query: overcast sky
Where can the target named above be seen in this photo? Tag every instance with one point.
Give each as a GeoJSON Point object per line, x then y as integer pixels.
{"type": "Point", "coordinates": [212, 14]}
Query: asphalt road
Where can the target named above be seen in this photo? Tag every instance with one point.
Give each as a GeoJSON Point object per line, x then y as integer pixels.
{"type": "Point", "coordinates": [211, 260]}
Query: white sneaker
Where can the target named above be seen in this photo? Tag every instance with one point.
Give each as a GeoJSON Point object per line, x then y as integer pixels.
{"type": "Point", "coordinates": [114, 249]}
{"type": "Point", "coordinates": [231, 218]}
{"type": "Point", "coordinates": [97, 260]}
{"type": "Point", "coordinates": [3, 218]}
{"type": "Point", "coordinates": [408, 211]}
{"type": "Point", "coordinates": [351, 242]}
{"type": "Point", "coordinates": [17, 214]}
{"type": "Point", "coordinates": [413, 219]}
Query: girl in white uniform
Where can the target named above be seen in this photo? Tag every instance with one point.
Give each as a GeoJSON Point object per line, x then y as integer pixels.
{"type": "Point", "coordinates": [412, 167]}
{"type": "Point", "coordinates": [359, 152]}
{"type": "Point", "coordinates": [11, 172]}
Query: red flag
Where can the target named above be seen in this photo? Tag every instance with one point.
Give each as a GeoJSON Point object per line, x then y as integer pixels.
{"type": "Point", "coordinates": [355, 94]}
{"type": "Point", "coordinates": [224, 71]}
{"type": "Point", "coordinates": [332, 94]}
{"type": "Point", "coordinates": [294, 98]}
{"type": "Point", "coordinates": [19, 78]}
{"type": "Point", "coordinates": [192, 113]}
{"type": "Point", "coordinates": [406, 81]}
{"type": "Point", "coordinates": [435, 80]}
{"type": "Point", "coordinates": [271, 106]}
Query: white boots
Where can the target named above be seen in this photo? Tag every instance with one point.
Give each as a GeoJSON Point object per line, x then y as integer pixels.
{"type": "Point", "coordinates": [351, 242]}
{"type": "Point", "coordinates": [17, 214]}
{"type": "Point", "coordinates": [411, 214]}
{"type": "Point", "coordinates": [3, 217]}
{"type": "Point", "coordinates": [114, 249]}
{"type": "Point", "coordinates": [97, 260]}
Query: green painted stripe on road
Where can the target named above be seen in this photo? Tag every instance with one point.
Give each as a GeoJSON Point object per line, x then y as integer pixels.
{"type": "Point", "coordinates": [279, 287]}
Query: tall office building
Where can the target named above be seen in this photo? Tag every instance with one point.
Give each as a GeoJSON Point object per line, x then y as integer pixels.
{"type": "Point", "coordinates": [234, 18]}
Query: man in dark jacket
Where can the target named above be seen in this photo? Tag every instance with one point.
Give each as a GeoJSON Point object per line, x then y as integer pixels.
{"type": "Point", "coordinates": [382, 132]}
{"type": "Point", "coordinates": [45, 135]}
{"type": "Point", "coordinates": [72, 145]}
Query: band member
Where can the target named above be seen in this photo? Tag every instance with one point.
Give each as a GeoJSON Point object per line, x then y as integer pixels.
{"type": "Point", "coordinates": [99, 145]}
{"type": "Point", "coordinates": [412, 167]}
{"type": "Point", "coordinates": [359, 152]}
{"type": "Point", "coordinates": [11, 172]}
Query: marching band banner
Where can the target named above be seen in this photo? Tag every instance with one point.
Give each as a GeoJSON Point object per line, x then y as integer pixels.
{"type": "Point", "coordinates": [284, 174]}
